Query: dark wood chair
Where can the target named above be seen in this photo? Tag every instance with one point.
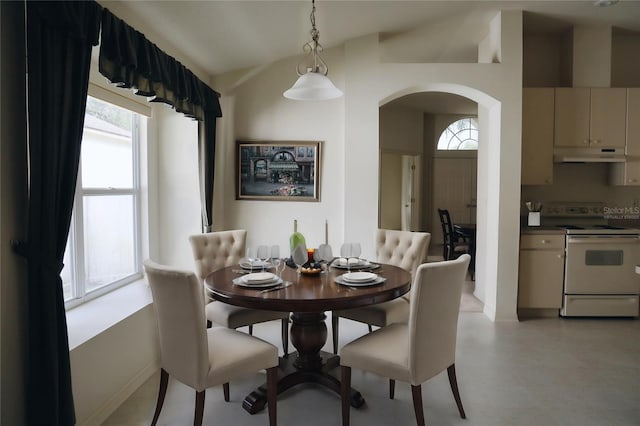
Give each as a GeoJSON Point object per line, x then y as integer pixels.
{"type": "Point", "coordinates": [454, 244]}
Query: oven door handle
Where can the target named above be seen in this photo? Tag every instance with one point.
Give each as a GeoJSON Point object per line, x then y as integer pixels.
{"type": "Point", "coordinates": [603, 239]}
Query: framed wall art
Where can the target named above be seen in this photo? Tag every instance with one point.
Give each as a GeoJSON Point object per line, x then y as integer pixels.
{"type": "Point", "coordinates": [278, 170]}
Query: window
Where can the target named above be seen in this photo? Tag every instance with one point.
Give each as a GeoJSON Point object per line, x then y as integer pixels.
{"type": "Point", "coordinates": [460, 135]}
{"type": "Point", "coordinates": [103, 248]}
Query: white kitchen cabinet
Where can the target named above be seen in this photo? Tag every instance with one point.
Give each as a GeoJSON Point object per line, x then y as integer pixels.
{"type": "Point", "coordinates": [541, 271]}
{"type": "Point", "coordinates": [587, 117]}
{"type": "Point", "coordinates": [537, 136]}
{"type": "Point", "coordinates": [628, 173]}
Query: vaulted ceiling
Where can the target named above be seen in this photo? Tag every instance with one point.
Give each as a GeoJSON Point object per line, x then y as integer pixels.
{"type": "Point", "coordinates": [219, 36]}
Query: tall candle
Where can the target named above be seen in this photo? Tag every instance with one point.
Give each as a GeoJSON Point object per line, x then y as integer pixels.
{"type": "Point", "coordinates": [326, 231]}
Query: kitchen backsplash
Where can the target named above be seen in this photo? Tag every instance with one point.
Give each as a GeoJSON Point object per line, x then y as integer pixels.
{"type": "Point", "coordinates": [584, 182]}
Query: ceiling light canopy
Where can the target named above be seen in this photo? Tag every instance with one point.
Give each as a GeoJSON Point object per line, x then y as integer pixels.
{"type": "Point", "coordinates": [313, 83]}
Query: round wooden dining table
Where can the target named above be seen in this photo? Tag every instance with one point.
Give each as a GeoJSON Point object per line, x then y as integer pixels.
{"type": "Point", "coordinates": [307, 298]}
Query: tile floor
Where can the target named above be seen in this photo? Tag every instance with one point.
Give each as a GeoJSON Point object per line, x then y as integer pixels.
{"type": "Point", "coordinates": [551, 372]}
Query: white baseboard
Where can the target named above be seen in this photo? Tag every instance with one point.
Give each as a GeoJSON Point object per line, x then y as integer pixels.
{"type": "Point", "coordinates": [112, 404]}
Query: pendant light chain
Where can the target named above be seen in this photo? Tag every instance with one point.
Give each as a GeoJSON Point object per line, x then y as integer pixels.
{"type": "Point", "coordinates": [314, 31]}
{"type": "Point", "coordinates": [313, 83]}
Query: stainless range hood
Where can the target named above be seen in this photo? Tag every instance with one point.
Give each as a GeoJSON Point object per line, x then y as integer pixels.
{"type": "Point", "coordinates": [588, 155]}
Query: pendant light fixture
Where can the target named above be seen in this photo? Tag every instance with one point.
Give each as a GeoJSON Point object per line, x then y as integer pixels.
{"type": "Point", "coordinates": [313, 83]}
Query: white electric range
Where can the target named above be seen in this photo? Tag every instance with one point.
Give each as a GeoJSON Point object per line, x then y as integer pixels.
{"type": "Point", "coordinates": [600, 261]}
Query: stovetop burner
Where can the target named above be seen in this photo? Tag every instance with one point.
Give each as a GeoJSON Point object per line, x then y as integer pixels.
{"type": "Point", "coordinates": [608, 227]}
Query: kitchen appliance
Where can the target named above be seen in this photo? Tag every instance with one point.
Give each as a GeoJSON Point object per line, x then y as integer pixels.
{"type": "Point", "coordinates": [600, 260]}
{"type": "Point", "coordinates": [589, 155]}
{"type": "Point", "coordinates": [534, 208]}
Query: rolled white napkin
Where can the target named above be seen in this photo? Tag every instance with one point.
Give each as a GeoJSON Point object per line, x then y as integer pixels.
{"type": "Point", "coordinates": [299, 254]}
{"type": "Point", "coordinates": [343, 261]}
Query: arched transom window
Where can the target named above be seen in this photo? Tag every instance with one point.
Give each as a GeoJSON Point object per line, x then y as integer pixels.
{"type": "Point", "coordinates": [460, 135]}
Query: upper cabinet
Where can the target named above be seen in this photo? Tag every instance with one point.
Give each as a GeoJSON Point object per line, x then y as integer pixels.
{"type": "Point", "coordinates": [537, 136]}
{"type": "Point", "coordinates": [593, 117]}
{"type": "Point", "coordinates": [628, 173]}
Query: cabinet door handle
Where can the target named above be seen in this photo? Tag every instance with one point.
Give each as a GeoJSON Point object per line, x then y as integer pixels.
{"type": "Point", "coordinates": [595, 141]}
{"type": "Point", "coordinates": [560, 256]}
{"type": "Point", "coordinates": [633, 180]}
{"type": "Point", "coordinates": [545, 241]}
{"type": "Point", "coordinates": [585, 142]}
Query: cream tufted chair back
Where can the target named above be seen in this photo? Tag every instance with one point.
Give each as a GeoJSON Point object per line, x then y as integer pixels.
{"type": "Point", "coordinates": [405, 249]}
{"type": "Point", "coordinates": [416, 350]}
{"type": "Point", "coordinates": [179, 308]}
{"type": "Point", "coordinates": [196, 356]}
{"type": "Point", "coordinates": [216, 250]}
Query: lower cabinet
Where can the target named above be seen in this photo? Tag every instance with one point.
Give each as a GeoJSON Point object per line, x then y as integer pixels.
{"type": "Point", "coordinates": [541, 271]}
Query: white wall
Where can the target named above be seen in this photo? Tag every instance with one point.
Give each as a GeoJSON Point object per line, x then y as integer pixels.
{"type": "Point", "coordinates": [351, 164]}
{"type": "Point", "coordinates": [401, 133]}
{"type": "Point", "coordinates": [401, 130]}
{"type": "Point", "coordinates": [256, 109]}
{"type": "Point", "coordinates": [178, 191]}
{"type": "Point", "coordinates": [107, 369]}
{"type": "Point", "coordinates": [390, 194]}
{"type": "Point", "coordinates": [591, 56]}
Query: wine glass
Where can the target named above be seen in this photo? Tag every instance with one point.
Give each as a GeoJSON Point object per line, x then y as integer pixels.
{"type": "Point", "coordinates": [346, 251]}
{"type": "Point", "coordinates": [350, 251]}
{"type": "Point", "coordinates": [252, 256]}
{"type": "Point", "coordinates": [276, 260]}
{"type": "Point", "coordinates": [323, 255]}
{"type": "Point", "coordinates": [263, 254]}
{"type": "Point", "coordinates": [299, 256]}
{"type": "Point", "coordinates": [356, 250]}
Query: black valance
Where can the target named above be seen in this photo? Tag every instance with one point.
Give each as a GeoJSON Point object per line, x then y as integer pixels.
{"type": "Point", "coordinates": [129, 60]}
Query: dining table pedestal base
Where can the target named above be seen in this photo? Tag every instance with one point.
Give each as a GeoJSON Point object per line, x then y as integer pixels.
{"type": "Point", "coordinates": [308, 365]}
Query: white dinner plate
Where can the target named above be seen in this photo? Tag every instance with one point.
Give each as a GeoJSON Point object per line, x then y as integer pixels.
{"type": "Point", "coordinates": [241, 282]}
{"type": "Point", "coordinates": [359, 277]}
{"type": "Point", "coordinates": [258, 278]}
{"type": "Point", "coordinates": [378, 280]}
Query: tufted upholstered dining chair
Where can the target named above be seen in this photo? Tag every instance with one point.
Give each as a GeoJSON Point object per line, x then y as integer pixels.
{"type": "Point", "coordinates": [200, 357]}
{"type": "Point", "coordinates": [400, 248]}
{"type": "Point", "coordinates": [216, 250]}
{"type": "Point", "coordinates": [415, 351]}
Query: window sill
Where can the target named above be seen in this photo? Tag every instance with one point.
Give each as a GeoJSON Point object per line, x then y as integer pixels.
{"type": "Point", "coordinates": [88, 320]}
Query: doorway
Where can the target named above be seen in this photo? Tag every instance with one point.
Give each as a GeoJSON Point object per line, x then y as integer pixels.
{"type": "Point", "coordinates": [443, 179]}
{"type": "Point", "coordinates": [454, 187]}
{"type": "Point", "coordinates": [399, 198]}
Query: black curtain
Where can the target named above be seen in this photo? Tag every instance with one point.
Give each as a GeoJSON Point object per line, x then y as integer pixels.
{"type": "Point", "coordinates": [131, 61]}
{"type": "Point", "coordinates": [59, 40]}
{"type": "Point", "coordinates": [206, 161]}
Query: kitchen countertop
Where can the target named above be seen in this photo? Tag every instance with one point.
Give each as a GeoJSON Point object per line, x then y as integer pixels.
{"type": "Point", "coordinates": [541, 230]}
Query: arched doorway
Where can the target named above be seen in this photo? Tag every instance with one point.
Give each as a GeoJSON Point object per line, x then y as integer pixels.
{"type": "Point", "coordinates": [439, 132]}
{"type": "Point", "coordinates": [489, 115]}
{"type": "Point", "coordinates": [434, 130]}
